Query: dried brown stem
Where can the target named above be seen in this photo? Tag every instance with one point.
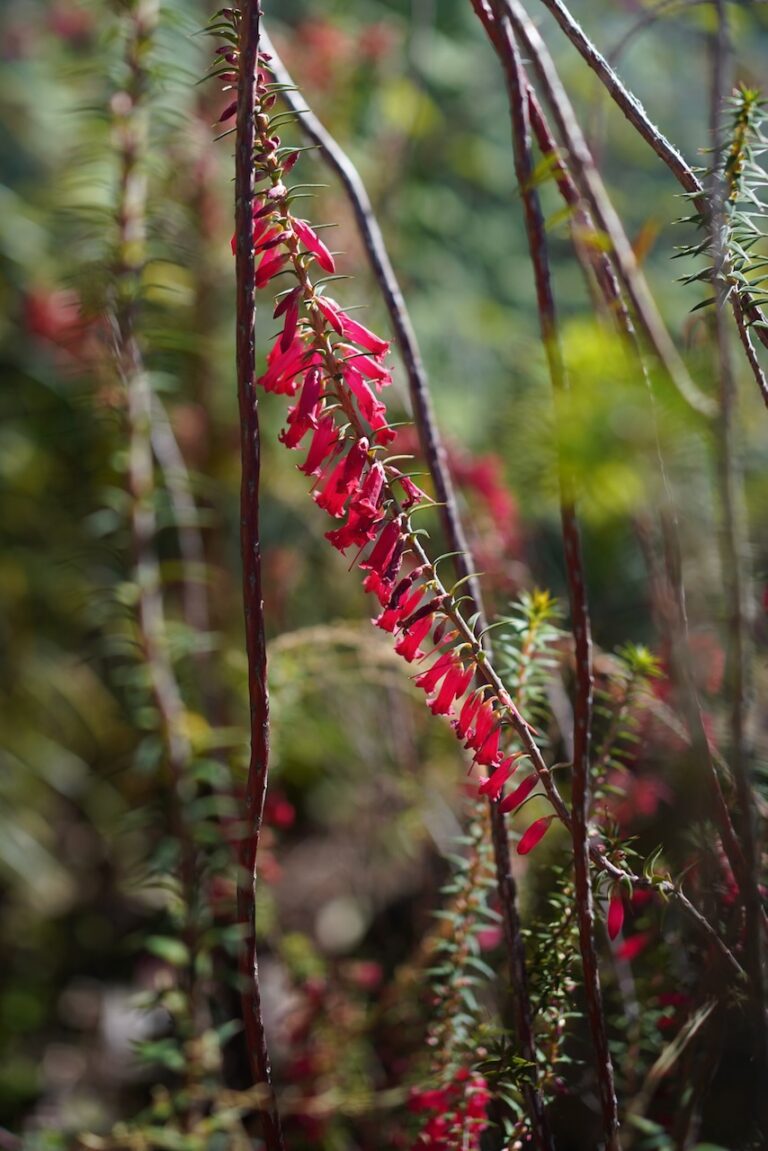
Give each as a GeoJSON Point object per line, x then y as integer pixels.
{"type": "Point", "coordinates": [256, 784]}
{"type": "Point", "coordinates": [517, 90]}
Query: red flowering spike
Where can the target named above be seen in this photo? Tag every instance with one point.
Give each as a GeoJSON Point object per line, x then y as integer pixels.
{"type": "Point", "coordinates": [522, 791]}
{"type": "Point", "coordinates": [534, 834]}
{"type": "Point", "coordinates": [314, 244]}
{"type": "Point", "coordinates": [615, 917]}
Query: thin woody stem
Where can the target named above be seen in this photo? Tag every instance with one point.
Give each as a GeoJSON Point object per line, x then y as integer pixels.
{"type": "Point", "coordinates": [178, 484]}
{"type": "Point", "coordinates": [517, 89]}
{"type": "Point", "coordinates": [734, 552]}
{"type": "Point", "coordinates": [747, 315]}
{"type": "Point", "coordinates": [256, 785]}
{"type": "Point", "coordinates": [436, 460]}
{"type": "Point", "coordinates": [593, 191]}
{"type": "Point", "coordinates": [130, 127]}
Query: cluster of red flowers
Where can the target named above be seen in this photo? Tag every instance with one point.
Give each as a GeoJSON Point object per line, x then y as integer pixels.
{"type": "Point", "coordinates": [335, 369]}
{"type": "Point", "coordinates": [458, 1113]}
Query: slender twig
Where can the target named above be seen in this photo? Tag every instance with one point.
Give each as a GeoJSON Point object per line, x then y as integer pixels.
{"type": "Point", "coordinates": [256, 784]}
{"type": "Point", "coordinates": [748, 316]}
{"type": "Point", "coordinates": [517, 90]}
{"type": "Point", "coordinates": [185, 518]}
{"type": "Point", "coordinates": [130, 128]}
{"type": "Point", "coordinates": [734, 551]}
{"type": "Point", "coordinates": [591, 186]}
{"type": "Point", "coordinates": [436, 460]}
{"type": "Point", "coordinates": [665, 8]}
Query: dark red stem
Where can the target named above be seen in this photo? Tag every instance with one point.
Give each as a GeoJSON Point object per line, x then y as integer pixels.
{"type": "Point", "coordinates": [517, 88]}
{"type": "Point", "coordinates": [256, 784]}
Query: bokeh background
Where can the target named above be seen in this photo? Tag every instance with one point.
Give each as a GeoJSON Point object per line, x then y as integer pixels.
{"type": "Point", "coordinates": [367, 790]}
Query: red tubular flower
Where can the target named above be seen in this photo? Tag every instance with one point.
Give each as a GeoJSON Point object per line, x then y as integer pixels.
{"type": "Point", "coordinates": [270, 264]}
{"type": "Point", "coordinates": [408, 644]}
{"type": "Point", "coordinates": [384, 548]}
{"type": "Point", "coordinates": [351, 329]}
{"type": "Point", "coordinates": [615, 918]}
{"type": "Point", "coordinates": [494, 783]}
{"type": "Point", "coordinates": [357, 532]}
{"type": "Point", "coordinates": [314, 244]}
{"type": "Point", "coordinates": [303, 416]}
{"type": "Point", "coordinates": [284, 364]}
{"type": "Point", "coordinates": [343, 479]}
{"type": "Point", "coordinates": [371, 369]}
{"type": "Point", "coordinates": [634, 946]}
{"type": "Point", "coordinates": [534, 834]}
{"type": "Point", "coordinates": [368, 500]}
{"type": "Point", "coordinates": [330, 311]}
{"type": "Point", "coordinates": [378, 586]}
{"type": "Point", "coordinates": [484, 721]}
{"type": "Point", "coordinates": [522, 791]}
{"type": "Point", "coordinates": [413, 495]}
{"type": "Point", "coordinates": [428, 680]}
{"type": "Point", "coordinates": [291, 321]}
{"type": "Point", "coordinates": [469, 710]}
{"type": "Point", "coordinates": [324, 442]}
{"type": "Point", "coordinates": [488, 752]}
{"type": "Point", "coordinates": [392, 617]}
{"type": "Point", "coordinates": [455, 684]}
{"type": "Point", "coordinates": [371, 409]}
